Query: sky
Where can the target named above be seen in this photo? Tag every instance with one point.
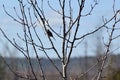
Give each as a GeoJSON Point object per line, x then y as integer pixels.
{"type": "Point", "coordinates": [11, 28]}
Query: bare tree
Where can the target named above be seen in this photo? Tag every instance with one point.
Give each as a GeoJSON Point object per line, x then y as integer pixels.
{"type": "Point", "coordinates": [32, 14]}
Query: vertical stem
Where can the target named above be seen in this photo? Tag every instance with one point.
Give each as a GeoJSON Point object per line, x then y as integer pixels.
{"type": "Point", "coordinates": [64, 72]}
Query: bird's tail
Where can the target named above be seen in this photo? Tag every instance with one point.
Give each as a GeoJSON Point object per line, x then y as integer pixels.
{"type": "Point", "coordinates": [54, 38]}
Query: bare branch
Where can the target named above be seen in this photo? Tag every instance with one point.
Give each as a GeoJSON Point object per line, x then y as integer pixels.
{"type": "Point", "coordinates": [97, 28]}
{"type": "Point", "coordinates": [13, 43]}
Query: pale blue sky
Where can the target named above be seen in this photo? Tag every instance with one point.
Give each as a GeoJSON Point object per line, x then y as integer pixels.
{"type": "Point", "coordinates": [104, 8]}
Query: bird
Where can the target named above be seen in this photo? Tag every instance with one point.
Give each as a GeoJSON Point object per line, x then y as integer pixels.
{"type": "Point", "coordinates": [49, 33]}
